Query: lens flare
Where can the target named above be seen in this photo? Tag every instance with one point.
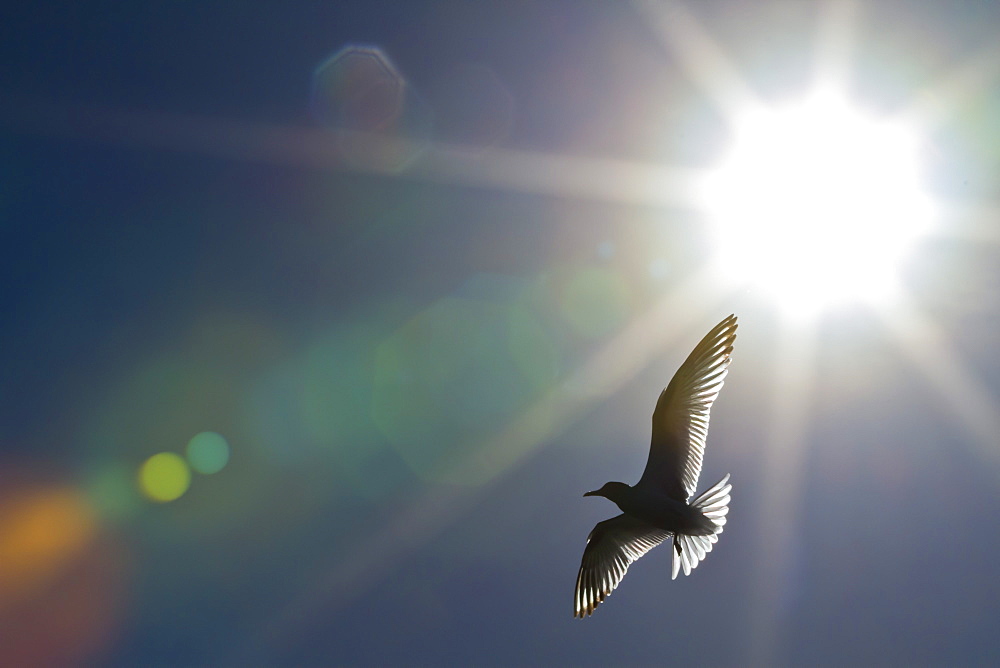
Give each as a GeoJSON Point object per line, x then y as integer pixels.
{"type": "Point", "coordinates": [112, 493]}
{"type": "Point", "coordinates": [63, 575]}
{"type": "Point", "coordinates": [41, 532]}
{"type": "Point", "coordinates": [595, 302]}
{"type": "Point", "coordinates": [164, 477]}
{"type": "Point", "coordinates": [378, 119]}
{"type": "Point", "coordinates": [458, 370]}
{"type": "Point", "coordinates": [208, 452]}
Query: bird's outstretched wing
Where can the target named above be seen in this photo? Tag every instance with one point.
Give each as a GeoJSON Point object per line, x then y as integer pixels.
{"type": "Point", "coordinates": [680, 421]}
{"type": "Point", "coordinates": [611, 547]}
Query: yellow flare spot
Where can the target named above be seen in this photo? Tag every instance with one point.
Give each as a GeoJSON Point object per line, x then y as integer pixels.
{"type": "Point", "coordinates": [164, 477]}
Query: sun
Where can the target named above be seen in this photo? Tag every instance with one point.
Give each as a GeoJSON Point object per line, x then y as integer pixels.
{"type": "Point", "coordinates": [817, 203]}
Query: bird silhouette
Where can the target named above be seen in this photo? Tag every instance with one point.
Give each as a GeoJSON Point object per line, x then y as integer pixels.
{"type": "Point", "coordinates": [657, 508]}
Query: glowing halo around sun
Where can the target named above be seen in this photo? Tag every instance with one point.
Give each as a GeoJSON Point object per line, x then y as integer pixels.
{"type": "Point", "coordinates": [817, 203]}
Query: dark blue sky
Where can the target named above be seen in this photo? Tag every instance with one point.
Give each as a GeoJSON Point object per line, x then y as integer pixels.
{"type": "Point", "coordinates": [423, 348]}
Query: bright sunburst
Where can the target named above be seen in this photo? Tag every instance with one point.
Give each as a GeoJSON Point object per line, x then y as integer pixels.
{"type": "Point", "coordinates": [817, 202]}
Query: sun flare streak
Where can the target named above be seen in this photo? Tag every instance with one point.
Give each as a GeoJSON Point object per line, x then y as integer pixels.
{"type": "Point", "coordinates": [508, 170]}
{"type": "Point", "coordinates": [701, 58]}
{"type": "Point", "coordinates": [966, 396]}
{"type": "Point", "coordinates": [835, 40]}
{"type": "Point", "coordinates": [782, 482]}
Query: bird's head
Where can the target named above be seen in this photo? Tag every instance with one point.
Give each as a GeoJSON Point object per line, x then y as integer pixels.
{"type": "Point", "coordinates": [611, 490]}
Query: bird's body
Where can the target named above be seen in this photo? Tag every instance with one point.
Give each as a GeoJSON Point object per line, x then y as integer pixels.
{"type": "Point", "coordinates": [657, 507]}
{"type": "Point", "coordinates": [658, 510]}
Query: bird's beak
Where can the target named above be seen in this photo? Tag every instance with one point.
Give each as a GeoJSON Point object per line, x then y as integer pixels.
{"type": "Point", "coordinates": [591, 494]}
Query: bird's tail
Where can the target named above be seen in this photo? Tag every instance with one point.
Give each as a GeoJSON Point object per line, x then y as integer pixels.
{"type": "Point", "coordinates": [690, 550]}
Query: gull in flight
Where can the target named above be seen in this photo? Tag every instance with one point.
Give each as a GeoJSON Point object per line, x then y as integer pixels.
{"type": "Point", "coordinates": [657, 508]}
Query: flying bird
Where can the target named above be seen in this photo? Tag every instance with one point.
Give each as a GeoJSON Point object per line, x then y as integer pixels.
{"type": "Point", "coordinates": [657, 507]}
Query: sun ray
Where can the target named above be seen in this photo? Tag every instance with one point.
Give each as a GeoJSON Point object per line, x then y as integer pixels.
{"type": "Point", "coordinates": [606, 180]}
{"type": "Point", "coordinates": [616, 363]}
{"type": "Point", "coordinates": [704, 62]}
{"type": "Point", "coordinates": [782, 471]}
{"type": "Point", "coordinates": [427, 514]}
{"type": "Point", "coordinates": [834, 42]}
{"type": "Point", "coordinates": [566, 176]}
{"type": "Point", "coordinates": [967, 397]}
{"type": "Point", "coordinates": [423, 516]}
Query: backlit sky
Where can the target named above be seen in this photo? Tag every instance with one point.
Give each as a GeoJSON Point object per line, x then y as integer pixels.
{"type": "Point", "coordinates": [427, 293]}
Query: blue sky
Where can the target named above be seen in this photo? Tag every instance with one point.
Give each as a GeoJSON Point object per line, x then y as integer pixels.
{"type": "Point", "coordinates": [425, 267]}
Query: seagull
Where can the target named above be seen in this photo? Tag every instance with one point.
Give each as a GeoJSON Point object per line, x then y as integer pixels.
{"type": "Point", "coordinates": [657, 507]}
